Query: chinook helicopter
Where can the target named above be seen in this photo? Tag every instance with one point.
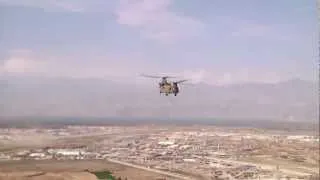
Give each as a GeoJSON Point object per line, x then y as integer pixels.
{"type": "Point", "coordinates": [167, 87]}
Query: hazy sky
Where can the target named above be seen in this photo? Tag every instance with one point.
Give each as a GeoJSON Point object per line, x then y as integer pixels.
{"type": "Point", "coordinates": [217, 41]}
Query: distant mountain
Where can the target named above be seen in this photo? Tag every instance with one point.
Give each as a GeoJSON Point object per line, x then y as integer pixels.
{"type": "Point", "coordinates": [294, 100]}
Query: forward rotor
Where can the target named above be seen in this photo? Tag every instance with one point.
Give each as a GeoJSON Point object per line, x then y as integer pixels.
{"type": "Point", "coordinates": [157, 77]}
{"type": "Point", "coordinates": [181, 81]}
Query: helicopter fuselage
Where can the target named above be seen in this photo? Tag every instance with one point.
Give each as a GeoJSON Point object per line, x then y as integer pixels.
{"type": "Point", "coordinates": [169, 88]}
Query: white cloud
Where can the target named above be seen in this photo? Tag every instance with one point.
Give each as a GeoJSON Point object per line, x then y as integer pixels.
{"type": "Point", "coordinates": [265, 31]}
{"type": "Point", "coordinates": [126, 69]}
{"type": "Point", "coordinates": [20, 65]}
{"type": "Point", "coordinates": [22, 61]}
{"type": "Point", "coordinates": [68, 6]}
{"type": "Point", "coordinates": [49, 5]}
{"type": "Point", "coordinates": [115, 67]}
{"type": "Point", "coordinates": [153, 18]}
{"type": "Point", "coordinates": [254, 30]}
{"type": "Point", "coordinates": [21, 51]}
{"type": "Point", "coordinates": [232, 76]}
{"type": "Point", "coordinates": [196, 76]}
{"type": "Point", "coordinates": [245, 28]}
{"type": "Point", "coordinates": [156, 21]}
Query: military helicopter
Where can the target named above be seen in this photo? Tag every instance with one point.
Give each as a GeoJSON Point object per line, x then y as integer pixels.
{"type": "Point", "coordinates": [167, 87]}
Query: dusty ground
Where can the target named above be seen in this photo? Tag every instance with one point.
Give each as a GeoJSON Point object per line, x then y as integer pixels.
{"type": "Point", "coordinates": [47, 176]}
{"type": "Point", "coordinates": [69, 170]}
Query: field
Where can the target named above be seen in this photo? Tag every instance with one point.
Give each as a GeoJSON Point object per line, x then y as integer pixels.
{"type": "Point", "coordinates": [56, 170]}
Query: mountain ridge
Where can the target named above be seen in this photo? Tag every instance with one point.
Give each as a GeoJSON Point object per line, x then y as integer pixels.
{"type": "Point", "coordinates": [292, 100]}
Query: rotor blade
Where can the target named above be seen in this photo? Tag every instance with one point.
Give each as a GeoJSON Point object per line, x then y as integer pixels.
{"type": "Point", "coordinates": [169, 76]}
{"type": "Point", "coordinates": [181, 81]}
{"type": "Point", "coordinates": [188, 84]}
{"type": "Point", "coordinates": [150, 76]}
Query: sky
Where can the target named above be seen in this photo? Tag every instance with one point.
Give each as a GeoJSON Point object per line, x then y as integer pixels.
{"type": "Point", "coordinates": [212, 41]}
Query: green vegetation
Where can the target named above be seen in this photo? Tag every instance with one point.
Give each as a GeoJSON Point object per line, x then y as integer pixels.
{"type": "Point", "coordinates": [105, 175]}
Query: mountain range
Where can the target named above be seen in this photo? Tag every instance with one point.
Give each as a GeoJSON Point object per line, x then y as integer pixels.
{"type": "Point", "coordinates": [292, 100]}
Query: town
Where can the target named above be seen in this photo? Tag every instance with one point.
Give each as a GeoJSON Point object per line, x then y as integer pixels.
{"type": "Point", "coordinates": [195, 152]}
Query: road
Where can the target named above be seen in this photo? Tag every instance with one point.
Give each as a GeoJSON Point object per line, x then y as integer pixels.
{"type": "Point", "coordinates": [178, 176]}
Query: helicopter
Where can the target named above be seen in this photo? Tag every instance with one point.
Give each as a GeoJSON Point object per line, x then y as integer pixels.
{"type": "Point", "coordinates": [167, 87]}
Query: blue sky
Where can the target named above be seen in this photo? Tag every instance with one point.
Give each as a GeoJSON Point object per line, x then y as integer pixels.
{"type": "Point", "coordinates": [215, 41]}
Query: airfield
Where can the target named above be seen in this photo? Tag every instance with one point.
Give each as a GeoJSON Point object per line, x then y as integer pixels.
{"type": "Point", "coordinates": [159, 151]}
